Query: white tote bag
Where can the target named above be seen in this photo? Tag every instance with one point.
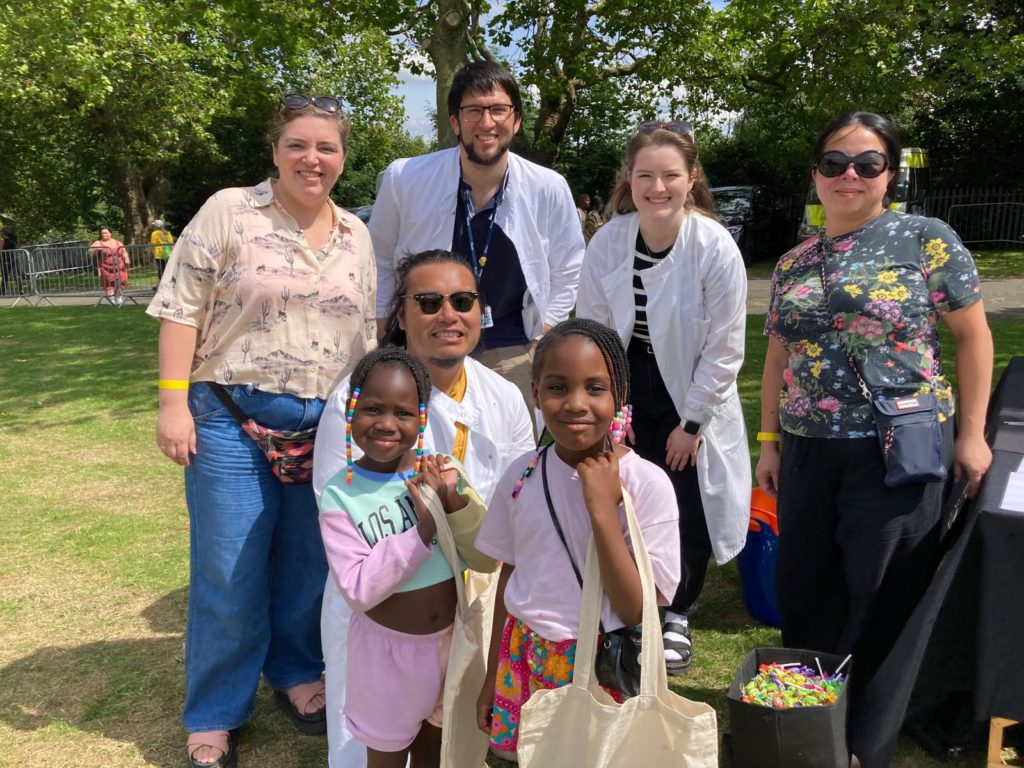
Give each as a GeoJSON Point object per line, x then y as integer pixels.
{"type": "Point", "coordinates": [463, 745]}
{"type": "Point", "coordinates": [580, 725]}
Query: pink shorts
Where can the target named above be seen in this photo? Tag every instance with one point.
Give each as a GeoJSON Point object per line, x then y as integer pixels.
{"type": "Point", "coordinates": [393, 682]}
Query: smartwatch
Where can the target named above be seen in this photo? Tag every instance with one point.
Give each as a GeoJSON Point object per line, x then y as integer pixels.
{"type": "Point", "coordinates": [691, 427]}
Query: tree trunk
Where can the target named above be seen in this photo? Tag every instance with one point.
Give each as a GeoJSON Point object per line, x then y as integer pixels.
{"type": "Point", "coordinates": [448, 48]}
{"type": "Point", "coordinates": [556, 108]}
{"type": "Point", "coordinates": [143, 197]}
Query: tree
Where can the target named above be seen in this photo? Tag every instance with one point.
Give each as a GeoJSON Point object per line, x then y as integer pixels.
{"type": "Point", "coordinates": [105, 99]}
{"type": "Point", "coordinates": [570, 46]}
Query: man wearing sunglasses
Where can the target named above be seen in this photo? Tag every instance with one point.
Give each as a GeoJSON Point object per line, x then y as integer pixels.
{"type": "Point", "coordinates": [515, 221]}
{"type": "Point", "coordinates": [474, 414]}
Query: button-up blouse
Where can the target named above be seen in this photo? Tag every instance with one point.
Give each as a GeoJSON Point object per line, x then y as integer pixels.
{"type": "Point", "coordinates": [270, 310]}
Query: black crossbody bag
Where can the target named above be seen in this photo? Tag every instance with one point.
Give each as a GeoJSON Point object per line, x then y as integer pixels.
{"type": "Point", "coordinates": [908, 426]}
{"type": "Point", "coordinates": [618, 657]}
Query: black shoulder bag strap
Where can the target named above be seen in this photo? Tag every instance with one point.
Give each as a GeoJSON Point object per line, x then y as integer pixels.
{"type": "Point", "coordinates": [231, 405]}
{"type": "Point", "coordinates": [558, 525]}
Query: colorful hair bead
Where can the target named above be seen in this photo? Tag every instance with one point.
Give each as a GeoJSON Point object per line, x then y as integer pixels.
{"type": "Point", "coordinates": [527, 471]}
{"type": "Point", "coordinates": [349, 413]}
{"type": "Point", "coordinates": [419, 440]}
{"type": "Point", "coordinates": [619, 427]}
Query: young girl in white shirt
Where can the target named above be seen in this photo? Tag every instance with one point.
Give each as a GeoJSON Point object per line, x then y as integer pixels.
{"type": "Point", "coordinates": [581, 386]}
{"type": "Point", "coordinates": [383, 554]}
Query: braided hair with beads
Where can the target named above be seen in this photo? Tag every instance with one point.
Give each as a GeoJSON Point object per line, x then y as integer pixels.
{"type": "Point", "coordinates": [614, 353]}
{"type": "Point", "coordinates": [391, 356]}
{"type": "Point", "coordinates": [607, 341]}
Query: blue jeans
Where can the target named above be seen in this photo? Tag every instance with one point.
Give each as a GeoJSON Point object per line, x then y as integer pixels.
{"type": "Point", "coordinates": [257, 561]}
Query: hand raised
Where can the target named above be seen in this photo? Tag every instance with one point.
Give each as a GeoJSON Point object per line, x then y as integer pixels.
{"type": "Point", "coordinates": [602, 488]}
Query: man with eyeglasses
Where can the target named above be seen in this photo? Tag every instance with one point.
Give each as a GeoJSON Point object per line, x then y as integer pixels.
{"type": "Point", "coordinates": [515, 221]}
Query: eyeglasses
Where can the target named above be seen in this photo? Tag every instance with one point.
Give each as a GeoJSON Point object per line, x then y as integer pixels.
{"type": "Point", "coordinates": [431, 303]}
{"type": "Point", "coordinates": [868, 165]}
{"type": "Point", "coordinates": [299, 101]}
{"type": "Point", "coordinates": [682, 127]}
{"type": "Point", "coordinates": [499, 113]}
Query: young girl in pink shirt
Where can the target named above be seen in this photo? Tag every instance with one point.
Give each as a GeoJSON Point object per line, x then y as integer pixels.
{"type": "Point", "coordinates": [581, 386]}
{"type": "Point", "coordinates": [383, 553]}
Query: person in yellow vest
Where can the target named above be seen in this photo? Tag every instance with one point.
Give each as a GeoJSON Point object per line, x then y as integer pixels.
{"type": "Point", "coordinates": [161, 240]}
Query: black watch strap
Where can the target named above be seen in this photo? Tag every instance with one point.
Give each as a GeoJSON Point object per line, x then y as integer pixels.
{"type": "Point", "coordinates": [691, 427]}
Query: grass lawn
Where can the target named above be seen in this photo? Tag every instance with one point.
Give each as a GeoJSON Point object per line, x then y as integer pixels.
{"type": "Point", "coordinates": [992, 265]}
{"type": "Point", "coordinates": [94, 561]}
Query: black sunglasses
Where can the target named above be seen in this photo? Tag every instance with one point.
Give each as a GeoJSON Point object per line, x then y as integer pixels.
{"type": "Point", "coordinates": [431, 303]}
{"type": "Point", "coordinates": [682, 127]}
{"type": "Point", "coordinates": [868, 165]}
{"type": "Point", "coordinates": [299, 101]}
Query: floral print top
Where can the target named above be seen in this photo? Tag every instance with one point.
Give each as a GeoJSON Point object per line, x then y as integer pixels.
{"type": "Point", "coordinates": [269, 310]}
{"type": "Point", "coordinates": [887, 283]}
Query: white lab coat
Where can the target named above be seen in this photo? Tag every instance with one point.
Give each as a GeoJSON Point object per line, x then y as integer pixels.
{"type": "Point", "coordinates": [696, 310]}
{"type": "Point", "coordinates": [415, 211]}
{"type": "Point", "coordinates": [500, 430]}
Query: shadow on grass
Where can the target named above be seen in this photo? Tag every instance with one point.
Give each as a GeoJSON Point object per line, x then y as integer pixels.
{"type": "Point", "coordinates": [56, 357]}
{"type": "Point", "coordinates": [128, 690]}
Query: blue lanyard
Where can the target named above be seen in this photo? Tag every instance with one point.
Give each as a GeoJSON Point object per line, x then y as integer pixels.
{"type": "Point", "coordinates": [478, 264]}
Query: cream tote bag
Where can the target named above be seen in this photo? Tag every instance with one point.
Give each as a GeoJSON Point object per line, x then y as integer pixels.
{"type": "Point", "coordinates": [580, 725]}
{"type": "Point", "coordinates": [463, 745]}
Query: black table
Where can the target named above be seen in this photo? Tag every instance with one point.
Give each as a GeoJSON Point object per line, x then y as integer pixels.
{"type": "Point", "coordinates": [959, 653]}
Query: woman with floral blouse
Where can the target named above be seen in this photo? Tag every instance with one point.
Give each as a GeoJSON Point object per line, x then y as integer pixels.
{"type": "Point", "coordinates": [855, 555]}
{"type": "Point", "coordinates": [270, 292]}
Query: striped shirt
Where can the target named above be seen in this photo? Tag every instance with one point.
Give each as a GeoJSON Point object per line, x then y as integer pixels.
{"type": "Point", "coordinates": [643, 259]}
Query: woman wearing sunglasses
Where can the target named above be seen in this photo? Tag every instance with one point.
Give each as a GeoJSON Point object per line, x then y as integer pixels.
{"type": "Point", "coordinates": [856, 552]}
{"type": "Point", "coordinates": [270, 299]}
{"type": "Point", "coordinates": [668, 277]}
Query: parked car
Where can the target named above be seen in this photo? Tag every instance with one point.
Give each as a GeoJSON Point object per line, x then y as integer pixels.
{"type": "Point", "coordinates": [755, 219]}
{"type": "Point", "coordinates": [913, 181]}
{"type": "Point", "coordinates": [363, 212]}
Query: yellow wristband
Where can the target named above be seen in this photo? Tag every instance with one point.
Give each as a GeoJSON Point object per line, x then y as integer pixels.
{"type": "Point", "coordinates": [173, 384]}
{"type": "Point", "coordinates": [767, 437]}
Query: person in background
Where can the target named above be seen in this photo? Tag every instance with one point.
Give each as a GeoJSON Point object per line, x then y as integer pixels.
{"type": "Point", "coordinates": [161, 241]}
{"type": "Point", "coordinates": [474, 415]}
{"type": "Point", "coordinates": [270, 300]}
{"type": "Point", "coordinates": [112, 262]}
{"type": "Point", "coordinates": [595, 217]}
{"type": "Point", "coordinates": [668, 277]}
{"type": "Point", "coordinates": [860, 302]}
{"type": "Point", "coordinates": [514, 220]}
{"type": "Point", "coordinates": [582, 206]}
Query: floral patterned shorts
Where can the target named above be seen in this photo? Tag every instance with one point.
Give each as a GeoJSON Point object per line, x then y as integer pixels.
{"type": "Point", "coordinates": [526, 663]}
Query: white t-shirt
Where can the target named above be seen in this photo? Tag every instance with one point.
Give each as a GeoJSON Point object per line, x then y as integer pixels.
{"type": "Point", "coordinates": [543, 591]}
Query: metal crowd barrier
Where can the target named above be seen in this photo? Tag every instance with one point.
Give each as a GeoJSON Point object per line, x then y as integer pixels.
{"type": "Point", "coordinates": [988, 223]}
{"type": "Point", "coordinates": [114, 277]}
{"type": "Point", "coordinates": [14, 266]}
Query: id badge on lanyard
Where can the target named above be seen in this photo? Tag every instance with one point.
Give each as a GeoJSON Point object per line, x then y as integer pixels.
{"type": "Point", "coordinates": [478, 264]}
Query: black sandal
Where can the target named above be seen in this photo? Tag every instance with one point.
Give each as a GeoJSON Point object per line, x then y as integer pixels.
{"type": "Point", "coordinates": [227, 759]}
{"type": "Point", "coordinates": [683, 647]}
{"type": "Point", "coordinates": [312, 723]}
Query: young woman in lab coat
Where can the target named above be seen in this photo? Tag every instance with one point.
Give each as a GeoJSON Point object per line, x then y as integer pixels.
{"type": "Point", "coordinates": [668, 277]}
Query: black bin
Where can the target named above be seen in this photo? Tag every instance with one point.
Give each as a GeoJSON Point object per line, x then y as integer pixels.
{"type": "Point", "coordinates": [801, 737]}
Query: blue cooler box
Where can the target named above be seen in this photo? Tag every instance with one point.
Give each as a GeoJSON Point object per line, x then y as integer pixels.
{"type": "Point", "coordinates": [757, 560]}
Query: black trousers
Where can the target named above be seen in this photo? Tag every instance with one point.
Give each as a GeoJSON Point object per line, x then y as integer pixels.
{"type": "Point", "coordinates": [654, 417]}
{"type": "Point", "coordinates": [854, 556]}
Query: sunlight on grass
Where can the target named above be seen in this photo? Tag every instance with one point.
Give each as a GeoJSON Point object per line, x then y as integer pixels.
{"type": "Point", "coordinates": [94, 565]}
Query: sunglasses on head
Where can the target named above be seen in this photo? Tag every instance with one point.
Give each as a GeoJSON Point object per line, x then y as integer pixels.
{"type": "Point", "coordinates": [682, 127]}
{"type": "Point", "coordinates": [431, 303]}
{"type": "Point", "coordinates": [868, 165]}
{"type": "Point", "coordinates": [299, 101]}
